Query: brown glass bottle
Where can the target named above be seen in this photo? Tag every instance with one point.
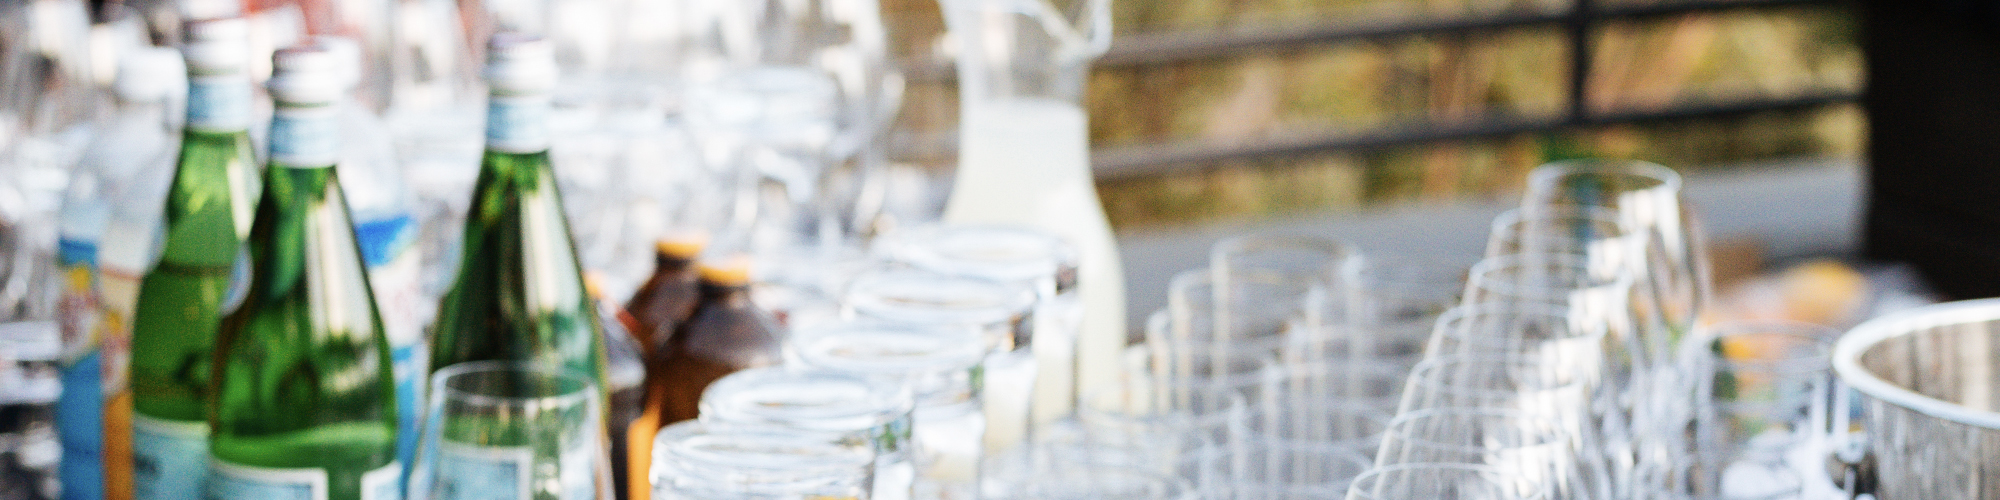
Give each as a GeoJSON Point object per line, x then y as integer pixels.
{"type": "Point", "coordinates": [669, 296]}
{"type": "Point", "coordinates": [726, 333]}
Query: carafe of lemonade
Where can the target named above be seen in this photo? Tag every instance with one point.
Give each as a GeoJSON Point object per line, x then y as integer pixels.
{"type": "Point", "coordinates": [1024, 152]}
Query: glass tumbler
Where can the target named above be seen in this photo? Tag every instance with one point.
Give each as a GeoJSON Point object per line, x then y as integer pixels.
{"type": "Point", "coordinates": [503, 430]}
{"type": "Point", "coordinates": [705, 461]}
{"type": "Point", "coordinates": [838, 404]}
{"type": "Point", "coordinates": [1004, 311]}
{"type": "Point", "coordinates": [1761, 394]}
{"type": "Point", "coordinates": [942, 367]}
{"type": "Point", "coordinates": [1028, 257]}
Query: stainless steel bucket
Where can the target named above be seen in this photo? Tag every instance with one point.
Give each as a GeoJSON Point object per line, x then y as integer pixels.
{"type": "Point", "coordinates": [1930, 379]}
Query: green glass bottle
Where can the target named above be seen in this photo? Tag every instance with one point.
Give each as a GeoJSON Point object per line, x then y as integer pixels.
{"type": "Point", "coordinates": [180, 300]}
{"type": "Point", "coordinates": [518, 294]}
{"type": "Point", "coordinates": [303, 404]}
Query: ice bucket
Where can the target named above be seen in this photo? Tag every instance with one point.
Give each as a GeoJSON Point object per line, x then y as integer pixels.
{"type": "Point", "coordinates": [1930, 381]}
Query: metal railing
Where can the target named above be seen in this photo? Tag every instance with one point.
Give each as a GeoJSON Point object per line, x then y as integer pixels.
{"type": "Point", "coordinates": [1579, 22]}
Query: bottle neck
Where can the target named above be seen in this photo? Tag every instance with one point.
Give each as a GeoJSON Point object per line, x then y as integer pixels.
{"type": "Point", "coordinates": [668, 263]}
{"type": "Point", "coordinates": [301, 207]}
{"type": "Point", "coordinates": [518, 123]}
{"type": "Point", "coordinates": [218, 103]}
{"type": "Point", "coordinates": [712, 291]}
{"type": "Point", "coordinates": [305, 135]}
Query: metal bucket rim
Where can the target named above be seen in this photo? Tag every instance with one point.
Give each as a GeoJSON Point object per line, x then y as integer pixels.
{"type": "Point", "coordinates": [1847, 357]}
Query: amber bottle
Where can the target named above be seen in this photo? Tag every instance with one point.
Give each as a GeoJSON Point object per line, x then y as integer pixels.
{"type": "Point", "coordinates": [669, 296]}
{"type": "Point", "coordinates": [724, 334]}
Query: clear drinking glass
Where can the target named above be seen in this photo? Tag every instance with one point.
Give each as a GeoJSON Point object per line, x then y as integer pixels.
{"type": "Point", "coordinates": [1646, 199]}
{"type": "Point", "coordinates": [1761, 394]}
{"type": "Point", "coordinates": [1442, 482]}
{"type": "Point", "coordinates": [1363, 384]}
{"type": "Point", "coordinates": [1498, 381]}
{"type": "Point", "coordinates": [1194, 319]}
{"type": "Point", "coordinates": [807, 192]}
{"type": "Point", "coordinates": [505, 430]}
{"type": "Point", "coordinates": [1395, 301]}
{"type": "Point", "coordinates": [1564, 229]}
{"type": "Point", "coordinates": [1263, 277]}
{"type": "Point", "coordinates": [1164, 423]}
{"type": "Point", "coordinates": [706, 461]}
{"type": "Point", "coordinates": [1004, 311]}
{"type": "Point", "coordinates": [1540, 332]}
{"type": "Point", "coordinates": [1024, 256]}
{"type": "Point", "coordinates": [872, 410]}
{"type": "Point", "coordinates": [1596, 302]}
{"type": "Point", "coordinates": [1259, 281]}
{"type": "Point", "coordinates": [1530, 446]}
{"type": "Point", "coordinates": [942, 366]}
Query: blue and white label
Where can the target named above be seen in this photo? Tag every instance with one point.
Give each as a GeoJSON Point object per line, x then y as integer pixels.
{"type": "Point", "coordinates": [518, 124]}
{"type": "Point", "coordinates": [305, 136]}
{"type": "Point", "coordinates": [169, 458]}
{"type": "Point", "coordinates": [385, 483]}
{"type": "Point", "coordinates": [468, 472]}
{"type": "Point", "coordinates": [229, 481]}
{"type": "Point", "coordinates": [219, 103]}
{"type": "Point", "coordinates": [577, 474]}
{"type": "Point", "coordinates": [384, 239]}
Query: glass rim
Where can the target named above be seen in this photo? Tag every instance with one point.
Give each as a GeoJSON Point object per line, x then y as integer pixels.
{"type": "Point", "coordinates": [1576, 265]}
{"type": "Point", "coordinates": [832, 453]}
{"type": "Point", "coordinates": [948, 346]}
{"type": "Point", "coordinates": [1032, 254]}
{"type": "Point", "coordinates": [1546, 173]}
{"type": "Point", "coordinates": [1450, 324]}
{"type": "Point", "coordinates": [584, 391]}
{"type": "Point", "coordinates": [980, 301]}
{"type": "Point", "coordinates": [1514, 220]}
{"type": "Point", "coordinates": [1186, 286]}
{"type": "Point", "coordinates": [727, 399]}
{"type": "Point", "coordinates": [1281, 240]}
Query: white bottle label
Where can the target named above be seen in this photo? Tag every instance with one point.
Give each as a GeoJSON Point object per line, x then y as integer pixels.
{"type": "Point", "coordinates": [305, 136]}
{"type": "Point", "coordinates": [518, 124]}
{"type": "Point", "coordinates": [169, 458]}
{"type": "Point", "coordinates": [219, 103]}
{"type": "Point", "coordinates": [229, 481]}
{"type": "Point", "coordinates": [483, 473]}
{"type": "Point", "coordinates": [578, 476]}
{"type": "Point", "coordinates": [385, 483]}
{"type": "Point", "coordinates": [509, 472]}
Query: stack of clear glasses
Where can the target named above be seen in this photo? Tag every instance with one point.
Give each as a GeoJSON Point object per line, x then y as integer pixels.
{"type": "Point", "coordinates": [1576, 365]}
{"type": "Point", "coordinates": [1554, 376]}
{"type": "Point", "coordinates": [1274, 373]}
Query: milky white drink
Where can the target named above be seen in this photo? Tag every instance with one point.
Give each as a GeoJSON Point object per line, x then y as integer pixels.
{"type": "Point", "coordinates": [1026, 161]}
